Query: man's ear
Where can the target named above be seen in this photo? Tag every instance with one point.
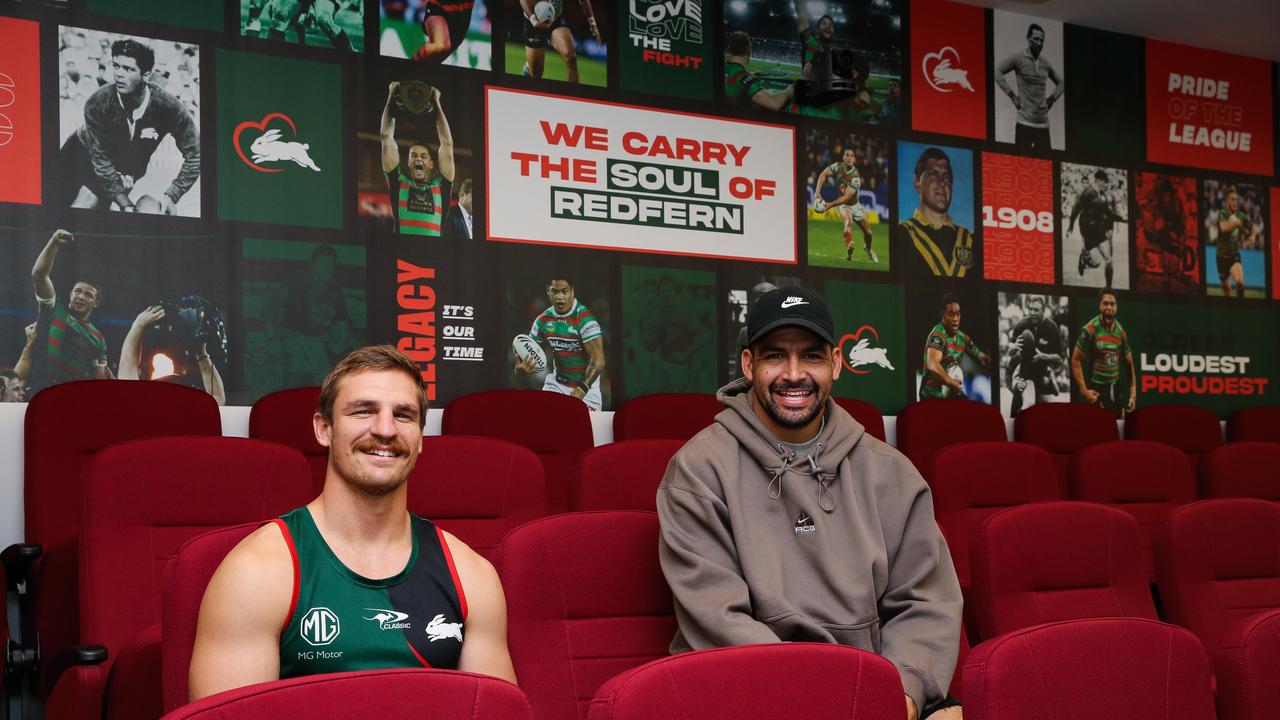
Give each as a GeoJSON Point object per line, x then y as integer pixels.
{"type": "Point", "coordinates": [835, 363]}
{"type": "Point", "coordinates": [745, 360]}
{"type": "Point", "coordinates": [323, 430]}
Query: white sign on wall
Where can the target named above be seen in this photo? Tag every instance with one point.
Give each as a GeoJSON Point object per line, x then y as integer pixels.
{"type": "Point", "coordinates": [610, 176]}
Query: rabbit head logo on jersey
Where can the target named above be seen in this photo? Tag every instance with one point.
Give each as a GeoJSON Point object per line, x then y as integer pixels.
{"type": "Point", "coordinates": [270, 146]}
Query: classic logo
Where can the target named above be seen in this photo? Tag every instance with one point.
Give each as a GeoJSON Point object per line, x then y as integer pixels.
{"type": "Point", "coordinates": [269, 147]}
{"type": "Point", "coordinates": [438, 629]}
{"type": "Point", "coordinates": [388, 619]}
{"type": "Point", "coordinates": [943, 72]}
{"type": "Point", "coordinates": [863, 352]}
{"type": "Point", "coordinates": [792, 301]}
{"type": "Point", "coordinates": [320, 626]}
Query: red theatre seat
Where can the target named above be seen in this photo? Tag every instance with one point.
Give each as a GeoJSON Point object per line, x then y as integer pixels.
{"type": "Point", "coordinates": [284, 417]}
{"type": "Point", "coordinates": [1148, 480]}
{"type": "Point", "coordinates": [384, 694]}
{"type": "Point", "coordinates": [1242, 469]}
{"type": "Point", "coordinates": [867, 415]}
{"type": "Point", "coordinates": [621, 475]}
{"type": "Point", "coordinates": [1259, 424]}
{"type": "Point", "coordinates": [1190, 428]}
{"type": "Point", "coordinates": [929, 425]}
{"type": "Point", "coordinates": [1063, 429]}
{"type": "Point", "coordinates": [477, 488]}
{"type": "Point", "coordinates": [586, 600]}
{"type": "Point", "coordinates": [1056, 561]}
{"type": "Point", "coordinates": [1127, 668]}
{"type": "Point", "coordinates": [672, 416]}
{"type": "Point", "coordinates": [65, 425]}
{"type": "Point", "coordinates": [142, 500]}
{"type": "Point", "coordinates": [557, 428]}
{"type": "Point", "coordinates": [1218, 561]}
{"type": "Point", "coordinates": [185, 579]}
{"type": "Point", "coordinates": [791, 680]}
{"type": "Point", "coordinates": [973, 481]}
{"type": "Point", "coordinates": [1248, 663]}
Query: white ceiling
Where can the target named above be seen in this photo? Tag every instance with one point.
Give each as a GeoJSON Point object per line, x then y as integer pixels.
{"type": "Point", "coordinates": [1244, 27]}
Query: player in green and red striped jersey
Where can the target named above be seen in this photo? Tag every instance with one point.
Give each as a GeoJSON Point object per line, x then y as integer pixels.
{"type": "Point", "coordinates": [741, 87]}
{"type": "Point", "coordinates": [848, 183]}
{"type": "Point", "coordinates": [576, 342]}
{"type": "Point", "coordinates": [1103, 342]}
{"type": "Point", "coordinates": [419, 190]}
{"type": "Point", "coordinates": [66, 346]}
{"type": "Point", "coordinates": [1234, 230]}
{"type": "Point", "coordinates": [943, 350]}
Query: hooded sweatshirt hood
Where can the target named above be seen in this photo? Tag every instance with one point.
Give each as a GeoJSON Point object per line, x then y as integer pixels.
{"type": "Point", "coordinates": [834, 442]}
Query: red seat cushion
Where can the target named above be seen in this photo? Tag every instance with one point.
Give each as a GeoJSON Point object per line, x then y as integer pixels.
{"type": "Point", "coordinates": [622, 475]}
{"type": "Point", "coordinates": [1218, 561]}
{"type": "Point", "coordinates": [1102, 668]}
{"type": "Point", "coordinates": [1145, 479]}
{"type": "Point", "coordinates": [557, 428]}
{"type": "Point", "coordinates": [1248, 663]}
{"type": "Point", "coordinates": [672, 416]}
{"type": "Point", "coordinates": [1242, 469]}
{"type": "Point", "coordinates": [586, 600]}
{"type": "Point", "coordinates": [803, 680]}
{"type": "Point", "coordinates": [1192, 429]}
{"type": "Point", "coordinates": [1056, 561]}
{"type": "Point", "coordinates": [1063, 429]}
{"type": "Point", "coordinates": [929, 425]}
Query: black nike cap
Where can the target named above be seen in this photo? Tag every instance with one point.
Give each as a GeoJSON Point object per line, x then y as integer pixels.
{"type": "Point", "coordinates": [790, 307]}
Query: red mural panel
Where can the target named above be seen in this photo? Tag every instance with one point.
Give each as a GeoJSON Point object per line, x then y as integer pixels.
{"type": "Point", "coordinates": [19, 111]}
{"type": "Point", "coordinates": [1168, 234]}
{"type": "Point", "coordinates": [948, 68]}
{"type": "Point", "coordinates": [1017, 218]}
{"type": "Point", "coordinates": [1208, 109]}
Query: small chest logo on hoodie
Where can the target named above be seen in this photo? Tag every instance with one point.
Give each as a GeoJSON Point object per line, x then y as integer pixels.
{"type": "Point", "coordinates": [804, 523]}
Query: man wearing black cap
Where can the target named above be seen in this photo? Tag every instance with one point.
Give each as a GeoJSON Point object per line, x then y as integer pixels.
{"type": "Point", "coordinates": [784, 521]}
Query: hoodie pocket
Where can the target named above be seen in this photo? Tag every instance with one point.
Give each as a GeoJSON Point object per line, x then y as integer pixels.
{"type": "Point", "coordinates": [864, 635]}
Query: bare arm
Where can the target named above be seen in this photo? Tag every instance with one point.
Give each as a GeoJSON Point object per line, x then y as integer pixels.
{"type": "Point", "coordinates": [1133, 382]}
{"type": "Point", "coordinates": [131, 350]}
{"type": "Point", "coordinates": [1059, 86]}
{"type": "Point", "coordinates": [1229, 224]}
{"type": "Point", "coordinates": [595, 365]}
{"type": "Point", "coordinates": [591, 20]}
{"type": "Point", "coordinates": [802, 17]}
{"type": "Point", "coordinates": [238, 634]}
{"type": "Point", "coordinates": [446, 138]}
{"type": "Point", "coordinates": [774, 101]}
{"type": "Point", "coordinates": [1004, 68]}
{"type": "Point", "coordinates": [1077, 372]}
{"type": "Point", "coordinates": [390, 151]}
{"type": "Point", "coordinates": [22, 368]}
{"type": "Point", "coordinates": [43, 266]}
{"type": "Point", "coordinates": [484, 646]}
{"type": "Point", "coordinates": [821, 182]}
{"type": "Point", "coordinates": [211, 377]}
{"type": "Point", "coordinates": [933, 365]}
{"type": "Point", "coordinates": [438, 44]}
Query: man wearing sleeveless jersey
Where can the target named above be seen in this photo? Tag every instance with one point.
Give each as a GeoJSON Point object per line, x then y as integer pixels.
{"type": "Point", "coordinates": [353, 580]}
{"type": "Point", "coordinates": [1234, 230]}
{"type": "Point", "coordinates": [65, 346]}
{"type": "Point", "coordinates": [420, 189]}
{"type": "Point", "coordinates": [945, 247]}
{"type": "Point", "coordinates": [1102, 343]}
{"type": "Point", "coordinates": [576, 341]}
{"type": "Point", "coordinates": [848, 182]}
{"type": "Point", "coordinates": [741, 87]}
{"type": "Point", "coordinates": [945, 347]}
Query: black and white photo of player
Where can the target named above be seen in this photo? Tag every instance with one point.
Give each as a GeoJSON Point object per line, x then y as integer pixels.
{"type": "Point", "coordinates": [338, 24]}
{"type": "Point", "coordinates": [129, 123]}
{"type": "Point", "coordinates": [1095, 226]}
{"type": "Point", "coordinates": [738, 299]}
{"type": "Point", "coordinates": [1029, 108]}
{"type": "Point", "coordinates": [1033, 350]}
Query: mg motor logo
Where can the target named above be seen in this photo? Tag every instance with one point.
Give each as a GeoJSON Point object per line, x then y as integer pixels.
{"type": "Point", "coordinates": [320, 626]}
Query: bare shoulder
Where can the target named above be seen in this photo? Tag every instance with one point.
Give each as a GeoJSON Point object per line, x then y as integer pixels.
{"type": "Point", "coordinates": [474, 571]}
{"type": "Point", "coordinates": [259, 567]}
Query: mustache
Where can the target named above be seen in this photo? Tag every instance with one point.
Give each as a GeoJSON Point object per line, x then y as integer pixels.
{"type": "Point", "coordinates": [394, 446]}
{"type": "Point", "coordinates": [784, 385]}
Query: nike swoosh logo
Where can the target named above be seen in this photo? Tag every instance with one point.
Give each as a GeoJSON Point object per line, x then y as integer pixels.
{"type": "Point", "coordinates": [793, 303]}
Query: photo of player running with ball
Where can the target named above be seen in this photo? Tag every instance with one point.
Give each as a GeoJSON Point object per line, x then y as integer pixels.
{"type": "Point", "coordinates": [847, 182]}
{"type": "Point", "coordinates": [544, 23]}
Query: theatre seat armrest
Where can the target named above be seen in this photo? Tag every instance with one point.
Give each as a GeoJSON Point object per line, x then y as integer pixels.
{"type": "Point", "coordinates": [17, 560]}
{"type": "Point", "coordinates": [79, 656]}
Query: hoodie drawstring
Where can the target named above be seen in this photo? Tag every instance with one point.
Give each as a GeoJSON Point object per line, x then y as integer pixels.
{"type": "Point", "coordinates": [826, 498]}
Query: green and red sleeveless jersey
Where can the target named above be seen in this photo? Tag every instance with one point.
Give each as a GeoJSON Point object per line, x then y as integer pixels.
{"type": "Point", "coordinates": [417, 208]}
{"type": "Point", "coordinates": [845, 177]}
{"type": "Point", "coordinates": [1105, 348]}
{"type": "Point", "coordinates": [567, 336]}
{"type": "Point", "coordinates": [953, 347]}
{"type": "Point", "coordinates": [340, 621]}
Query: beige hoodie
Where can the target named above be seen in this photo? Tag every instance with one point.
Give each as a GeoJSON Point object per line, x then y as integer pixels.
{"type": "Point", "coordinates": [839, 547]}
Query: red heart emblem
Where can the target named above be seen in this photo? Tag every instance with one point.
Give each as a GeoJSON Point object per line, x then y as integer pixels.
{"type": "Point", "coordinates": [261, 126]}
{"type": "Point", "coordinates": [855, 336]}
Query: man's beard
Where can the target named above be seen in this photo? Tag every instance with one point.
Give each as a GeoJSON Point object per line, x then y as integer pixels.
{"type": "Point", "coordinates": [795, 417]}
{"type": "Point", "coordinates": [363, 482]}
